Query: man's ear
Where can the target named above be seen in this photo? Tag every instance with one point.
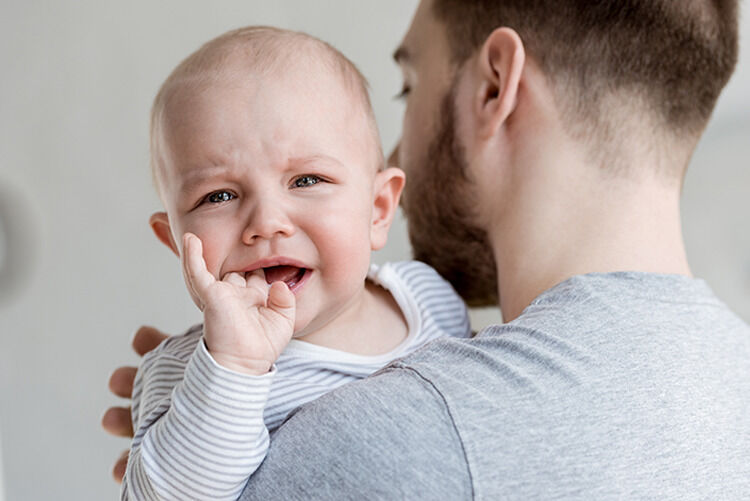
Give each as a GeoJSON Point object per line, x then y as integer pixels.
{"type": "Point", "coordinates": [388, 186]}
{"type": "Point", "coordinates": [159, 222]}
{"type": "Point", "coordinates": [501, 62]}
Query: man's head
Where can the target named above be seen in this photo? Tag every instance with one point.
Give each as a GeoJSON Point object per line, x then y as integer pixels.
{"type": "Point", "coordinates": [264, 146]}
{"type": "Point", "coordinates": [664, 59]}
{"type": "Point", "coordinates": [618, 81]}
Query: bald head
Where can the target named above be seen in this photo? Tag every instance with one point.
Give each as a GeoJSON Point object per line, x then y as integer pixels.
{"type": "Point", "coordinates": [260, 53]}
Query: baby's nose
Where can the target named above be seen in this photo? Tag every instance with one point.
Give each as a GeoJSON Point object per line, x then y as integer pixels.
{"type": "Point", "coordinates": [268, 220]}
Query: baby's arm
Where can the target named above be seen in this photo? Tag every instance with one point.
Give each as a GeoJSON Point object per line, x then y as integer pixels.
{"type": "Point", "coordinates": [200, 431]}
{"type": "Point", "coordinates": [204, 438]}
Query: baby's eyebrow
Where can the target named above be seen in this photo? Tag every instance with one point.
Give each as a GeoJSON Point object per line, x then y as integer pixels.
{"type": "Point", "coordinates": [311, 159]}
{"type": "Point", "coordinates": [198, 176]}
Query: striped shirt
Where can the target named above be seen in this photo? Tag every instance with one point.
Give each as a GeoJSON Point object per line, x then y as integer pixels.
{"type": "Point", "coordinates": [201, 430]}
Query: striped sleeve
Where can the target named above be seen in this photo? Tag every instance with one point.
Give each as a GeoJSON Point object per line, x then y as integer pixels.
{"type": "Point", "coordinates": [200, 431]}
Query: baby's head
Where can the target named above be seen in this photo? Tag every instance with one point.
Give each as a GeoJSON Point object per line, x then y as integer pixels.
{"type": "Point", "coordinates": [264, 145]}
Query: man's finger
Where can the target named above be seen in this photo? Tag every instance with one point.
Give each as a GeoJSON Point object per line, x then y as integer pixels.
{"type": "Point", "coordinates": [119, 469]}
{"type": "Point", "coordinates": [121, 381]}
{"type": "Point", "coordinates": [146, 339]}
{"type": "Point", "coordinates": [118, 421]}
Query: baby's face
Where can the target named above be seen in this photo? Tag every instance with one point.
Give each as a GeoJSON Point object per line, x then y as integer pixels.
{"type": "Point", "coordinates": [277, 174]}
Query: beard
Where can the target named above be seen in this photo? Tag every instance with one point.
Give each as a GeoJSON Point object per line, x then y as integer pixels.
{"type": "Point", "coordinates": [440, 205]}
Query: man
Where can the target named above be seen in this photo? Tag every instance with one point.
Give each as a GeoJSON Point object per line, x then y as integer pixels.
{"type": "Point", "coordinates": [559, 137]}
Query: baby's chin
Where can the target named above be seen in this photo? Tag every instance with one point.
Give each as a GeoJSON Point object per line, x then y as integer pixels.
{"type": "Point", "coordinates": [307, 325]}
{"type": "Point", "coordinates": [302, 321]}
{"type": "Point", "coordinates": [302, 328]}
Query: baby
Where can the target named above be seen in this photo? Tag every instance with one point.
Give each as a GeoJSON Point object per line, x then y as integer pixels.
{"type": "Point", "coordinates": [266, 155]}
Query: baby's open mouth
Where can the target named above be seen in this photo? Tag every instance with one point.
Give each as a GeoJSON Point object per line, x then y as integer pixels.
{"type": "Point", "coordinates": [290, 275]}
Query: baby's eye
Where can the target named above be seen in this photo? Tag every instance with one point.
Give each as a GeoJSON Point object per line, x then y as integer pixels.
{"type": "Point", "coordinates": [305, 181]}
{"type": "Point", "coordinates": [218, 197]}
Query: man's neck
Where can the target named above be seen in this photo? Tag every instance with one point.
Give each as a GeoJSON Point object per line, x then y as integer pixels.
{"type": "Point", "coordinates": [597, 225]}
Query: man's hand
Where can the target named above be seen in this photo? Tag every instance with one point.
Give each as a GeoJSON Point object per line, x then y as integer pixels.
{"type": "Point", "coordinates": [118, 420]}
{"type": "Point", "coordinates": [246, 324]}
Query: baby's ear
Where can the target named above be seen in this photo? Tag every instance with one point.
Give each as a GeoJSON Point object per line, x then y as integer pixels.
{"type": "Point", "coordinates": [159, 222]}
{"type": "Point", "coordinates": [388, 186]}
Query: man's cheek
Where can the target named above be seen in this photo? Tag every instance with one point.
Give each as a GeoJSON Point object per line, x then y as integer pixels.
{"type": "Point", "coordinates": [409, 153]}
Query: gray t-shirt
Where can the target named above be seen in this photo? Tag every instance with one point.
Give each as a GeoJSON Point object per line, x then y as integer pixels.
{"type": "Point", "coordinates": [608, 386]}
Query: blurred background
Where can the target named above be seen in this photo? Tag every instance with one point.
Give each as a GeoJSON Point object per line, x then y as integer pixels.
{"type": "Point", "coordinates": [79, 267]}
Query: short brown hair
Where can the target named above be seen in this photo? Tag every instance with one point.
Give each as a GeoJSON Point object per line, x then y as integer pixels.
{"type": "Point", "coordinates": [676, 55]}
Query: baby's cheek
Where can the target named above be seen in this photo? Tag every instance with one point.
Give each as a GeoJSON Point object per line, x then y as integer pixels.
{"type": "Point", "coordinates": [344, 231]}
{"type": "Point", "coordinates": [350, 254]}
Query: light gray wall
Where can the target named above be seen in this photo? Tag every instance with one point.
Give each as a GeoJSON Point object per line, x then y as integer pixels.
{"type": "Point", "coordinates": [2, 483]}
{"type": "Point", "coordinates": [78, 80]}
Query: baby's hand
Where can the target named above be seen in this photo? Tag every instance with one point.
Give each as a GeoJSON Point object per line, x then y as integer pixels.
{"type": "Point", "coordinates": [246, 324]}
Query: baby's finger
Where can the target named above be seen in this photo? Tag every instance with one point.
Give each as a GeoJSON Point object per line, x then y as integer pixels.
{"type": "Point", "coordinates": [280, 297]}
{"type": "Point", "coordinates": [235, 279]}
{"type": "Point", "coordinates": [255, 284]}
{"type": "Point", "coordinates": [281, 300]}
{"type": "Point", "coordinates": [260, 273]}
{"type": "Point", "coordinates": [257, 281]}
{"type": "Point", "coordinates": [197, 273]}
{"type": "Point", "coordinates": [186, 274]}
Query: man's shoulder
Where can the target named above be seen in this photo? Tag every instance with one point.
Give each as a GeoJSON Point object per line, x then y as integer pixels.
{"type": "Point", "coordinates": [369, 436]}
{"type": "Point", "coordinates": [605, 377]}
{"type": "Point", "coordinates": [602, 329]}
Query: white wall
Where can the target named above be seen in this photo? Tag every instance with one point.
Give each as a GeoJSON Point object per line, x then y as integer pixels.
{"type": "Point", "coordinates": [78, 80]}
